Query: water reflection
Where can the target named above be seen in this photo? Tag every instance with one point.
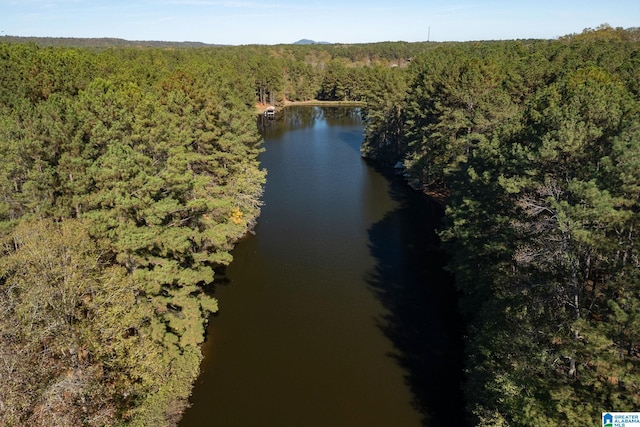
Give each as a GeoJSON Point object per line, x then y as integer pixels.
{"type": "Point", "coordinates": [422, 319]}
{"type": "Point", "coordinates": [338, 312]}
{"type": "Point", "coordinates": [298, 118]}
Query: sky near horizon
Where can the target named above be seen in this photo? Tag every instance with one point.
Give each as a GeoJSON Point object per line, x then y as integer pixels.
{"type": "Point", "coordinates": [239, 22]}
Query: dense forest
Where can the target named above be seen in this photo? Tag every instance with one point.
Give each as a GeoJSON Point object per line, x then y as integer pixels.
{"type": "Point", "coordinates": [534, 148]}
{"type": "Point", "coordinates": [125, 178]}
{"type": "Point", "coordinates": [127, 174]}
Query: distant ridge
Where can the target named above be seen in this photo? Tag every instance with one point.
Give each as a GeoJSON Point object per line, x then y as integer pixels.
{"type": "Point", "coordinates": [100, 42]}
{"type": "Point", "coordinates": [307, 41]}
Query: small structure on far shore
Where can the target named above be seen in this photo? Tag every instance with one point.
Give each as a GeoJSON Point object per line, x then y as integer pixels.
{"type": "Point", "coordinates": [270, 111]}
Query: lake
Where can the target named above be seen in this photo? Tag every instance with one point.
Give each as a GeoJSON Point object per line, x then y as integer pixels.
{"type": "Point", "coordinates": [337, 311]}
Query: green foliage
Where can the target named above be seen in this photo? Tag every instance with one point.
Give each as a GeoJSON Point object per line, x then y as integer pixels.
{"type": "Point", "coordinates": [136, 181]}
{"type": "Point", "coordinates": [536, 146]}
{"type": "Point", "coordinates": [75, 348]}
{"type": "Point", "coordinates": [383, 115]}
{"type": "Point", "coordinates": [137, 170]}
{"type": "Point", "coordinates": [127, 174]}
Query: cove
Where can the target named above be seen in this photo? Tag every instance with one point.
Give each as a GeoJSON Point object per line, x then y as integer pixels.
{"type": "Point", "coordinates": [337, 311]}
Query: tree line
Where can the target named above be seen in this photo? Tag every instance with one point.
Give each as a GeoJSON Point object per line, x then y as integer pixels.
{"type": "Point", "coordinates": [128, 173]}
{"type": "Point", "coordinates": [125, 179]}
{"type": "Point", "coordinates": [534, 148]}
{"type": "Point", "coordinates": [126, 176]}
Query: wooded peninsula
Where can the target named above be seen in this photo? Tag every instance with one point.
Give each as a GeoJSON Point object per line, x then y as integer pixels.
{"type": "Point", "coordinates": [128, 173]}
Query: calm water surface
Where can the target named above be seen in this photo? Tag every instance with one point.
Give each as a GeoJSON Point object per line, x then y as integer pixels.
{"type": "Point", "coordinates": [337, 311]}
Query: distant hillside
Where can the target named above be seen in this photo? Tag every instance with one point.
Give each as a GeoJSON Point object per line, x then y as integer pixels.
{"type": "Point", "coordinates": [307, 41]}
{"type": "Point", "coordinates": [100, 42]}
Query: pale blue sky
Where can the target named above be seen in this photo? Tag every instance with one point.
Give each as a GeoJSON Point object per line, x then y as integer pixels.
{"type": "Point", "coordinates": [336, 21]}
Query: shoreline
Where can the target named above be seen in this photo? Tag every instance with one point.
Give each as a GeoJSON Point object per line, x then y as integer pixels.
{"type": "Point", "coordinates": [261, 108]}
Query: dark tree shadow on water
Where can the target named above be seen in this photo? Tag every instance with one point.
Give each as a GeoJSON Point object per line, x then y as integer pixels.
{"type": "Point", "coordinates": [422, 320]}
